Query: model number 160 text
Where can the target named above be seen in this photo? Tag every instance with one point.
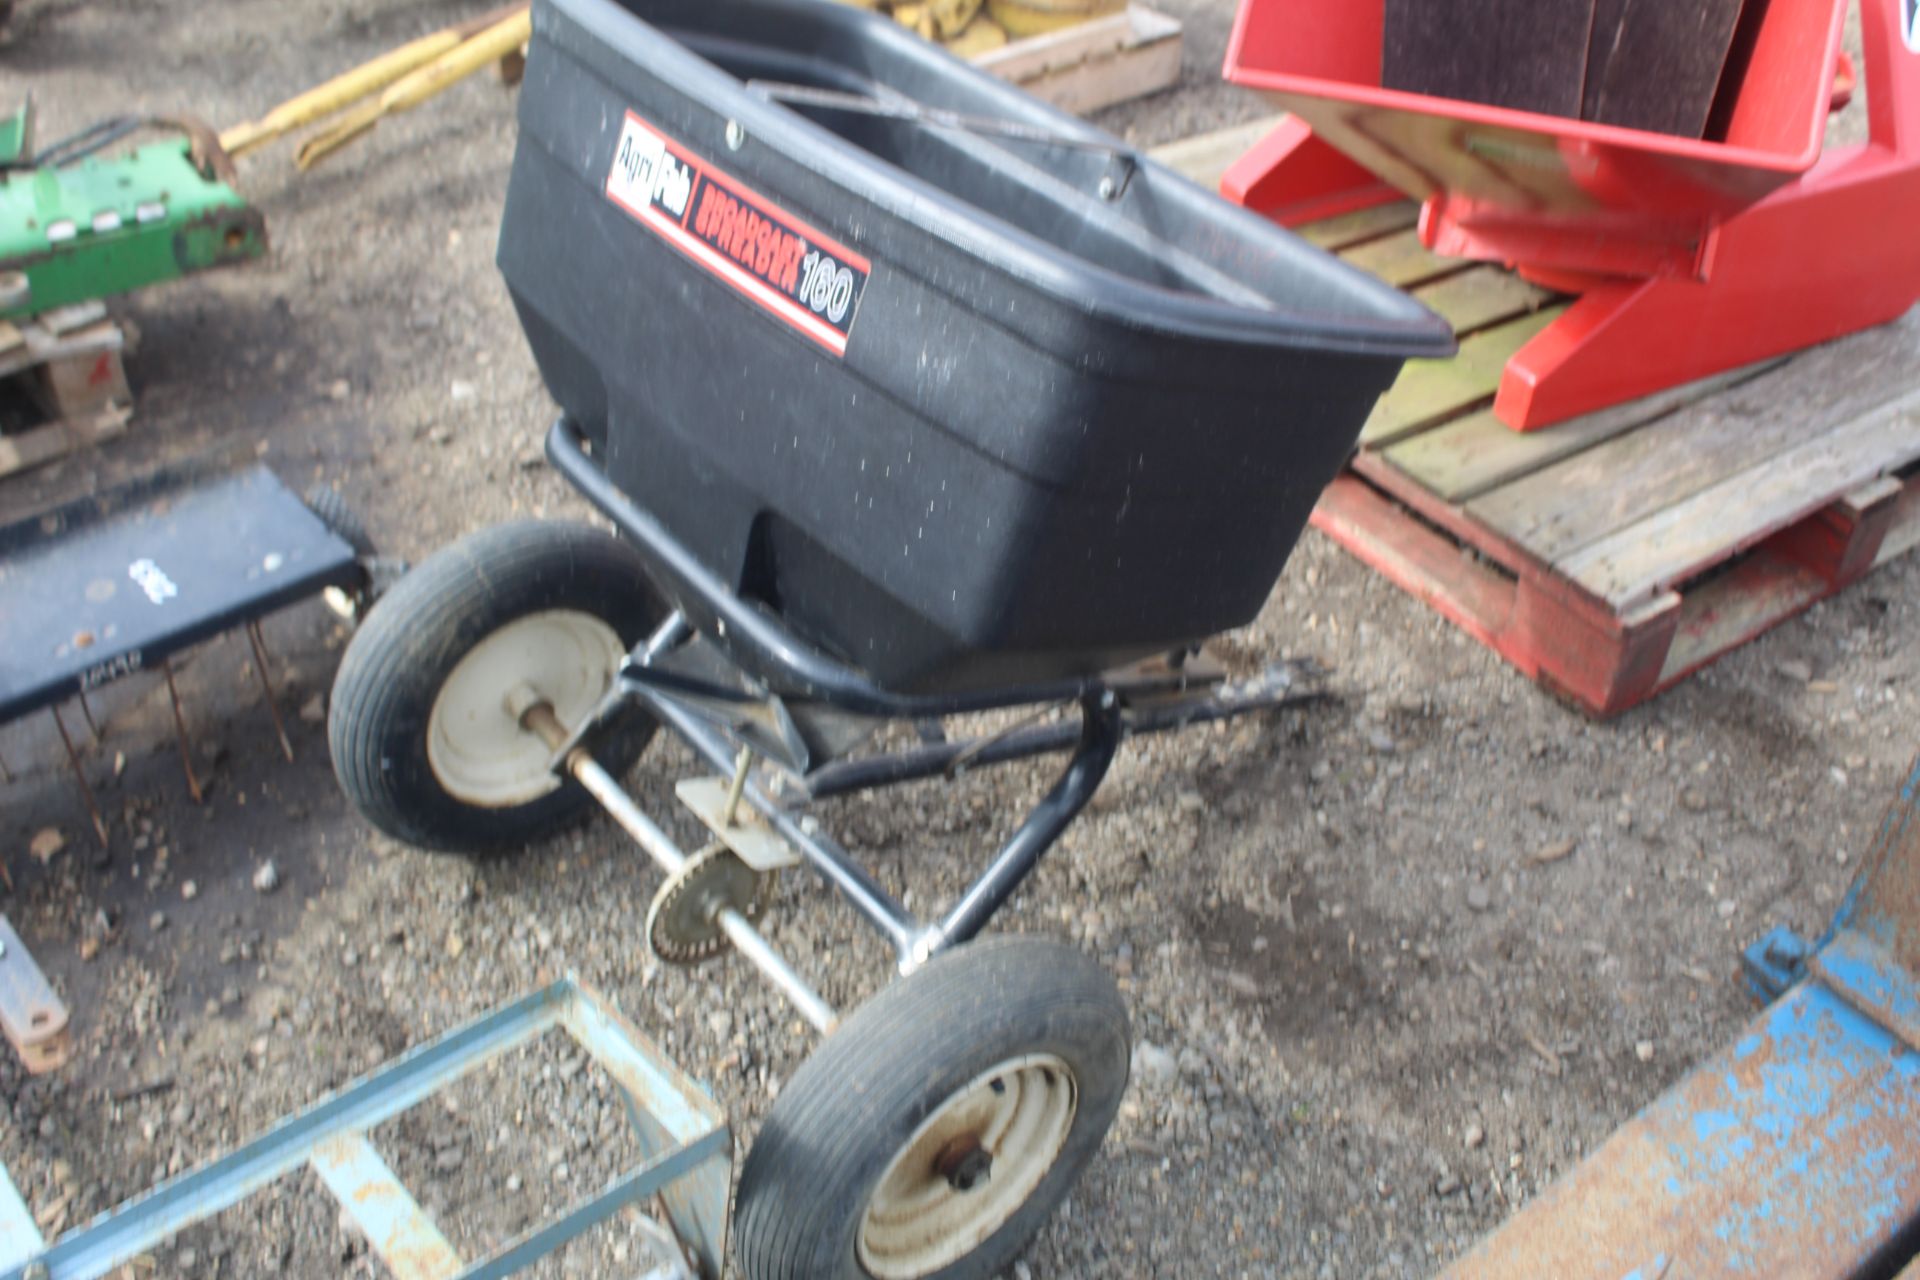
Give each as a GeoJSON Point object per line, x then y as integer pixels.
{"type": "Point", "coordinates": [825, 285]}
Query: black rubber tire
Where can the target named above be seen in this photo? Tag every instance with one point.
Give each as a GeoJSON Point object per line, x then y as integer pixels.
{"type": "Point", "coordinates": [851, 1106]}
{"type": "Point", "coordinates": [392, 672]}
{"type": "Point", "coordinates": [325, 501]}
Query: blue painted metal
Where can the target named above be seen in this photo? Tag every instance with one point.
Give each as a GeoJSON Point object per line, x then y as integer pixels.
{"type": "Point", "coordinates": [635, 1185]}
{"type": "Point", "coordinates": [117, 582]}
{"type": "Point", "coordinates": [1794, 1154]}
{"type": "Point", "coordinates": [19, 1234]}
{"type": "Point", "coordinates": [1775, 962]}
{"type": "Point", "coordinates": [682, 1131]}
{"type": "Point", "coordinates": [398, 1230]}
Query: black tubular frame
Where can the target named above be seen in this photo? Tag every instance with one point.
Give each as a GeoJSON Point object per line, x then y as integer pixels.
{"type": "Point", "coordinates": [793, 669]}
{"type": "Point", "coordinates": [756, 638]}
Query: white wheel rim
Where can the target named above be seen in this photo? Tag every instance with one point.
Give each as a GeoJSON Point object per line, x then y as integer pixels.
{"type": "Point", "coordinates": [917, 1221]}
{"type": "Point", "coordinates": [475, 747]}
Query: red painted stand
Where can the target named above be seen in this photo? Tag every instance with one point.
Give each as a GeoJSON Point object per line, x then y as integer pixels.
{"type": "Point", "coordinates": [1691, 257]}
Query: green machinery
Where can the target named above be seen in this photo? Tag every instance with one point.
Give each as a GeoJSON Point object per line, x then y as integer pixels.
{"type": "Point", "coordinates": [78, 225]}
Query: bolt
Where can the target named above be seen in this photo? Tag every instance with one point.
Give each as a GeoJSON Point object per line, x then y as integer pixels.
{"type": "Point", "coordinates": [736, 136]}
{"type": "Point", "coordinates": [964, 1163]}
{"type": "Point", "coordinates": [1109, 188]}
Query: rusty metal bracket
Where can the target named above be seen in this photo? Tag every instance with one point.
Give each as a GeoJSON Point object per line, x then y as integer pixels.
{"type": "Point", "coordinates": [31, 1014]}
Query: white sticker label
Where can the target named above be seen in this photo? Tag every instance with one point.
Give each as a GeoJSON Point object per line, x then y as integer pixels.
{"type": "Point", "coordinates": [775, 259]}
{"type": "Point", "coordinates": [645, 173]}
{"type": "Point", "coordinates": [153, 580]}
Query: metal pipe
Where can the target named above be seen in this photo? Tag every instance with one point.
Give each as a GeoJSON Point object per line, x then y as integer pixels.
{"type": "Point", "coordinates": [266, 686]}
{"type": "Point", "coordinates": [670, 634]}
{"type": "Point", "coordinates": [1100, 733]}
{"type": "Point", "coordinates": [1281, 685]}
{"type": "Point", "coordinates": [632, 819]}
{"type": "Point", "coordinates": [180, 734]}
{"type": "Point", "coordinates": [538, 717]}
{"type": "Point", "coordinates": [854, 881]}
{"type": "Point", "coordinates": [86, 792]}
{"type": "Point", "coordinates": [756, 637]}
{"type": "Point", "coordinates": [752, 944]}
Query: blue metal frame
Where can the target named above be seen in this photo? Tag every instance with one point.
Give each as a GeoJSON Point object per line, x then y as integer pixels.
{"type": "Point", "coordinates": [686, 1145]}
{"type": "Point", "coordinates": [1795, 1152]}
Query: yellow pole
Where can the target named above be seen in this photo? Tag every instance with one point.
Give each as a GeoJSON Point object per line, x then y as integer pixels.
{"type": "Point", "coordinates": [344, 90]}
{"type": "Point", "coordinates": [490, 46]}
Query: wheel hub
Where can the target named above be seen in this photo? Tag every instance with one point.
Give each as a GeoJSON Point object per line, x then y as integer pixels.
{"type": "Point", "coordinates": [964, 1163]}
{"type": "Point", "coordinates": [475, 744]}
{"type": "Point", "coordinates": [968, 1168]}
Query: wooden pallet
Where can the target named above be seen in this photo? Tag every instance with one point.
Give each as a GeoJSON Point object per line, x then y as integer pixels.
{"type": "Point", "coordinates": [1094, 64]}
{"type": "Point", "coordinates": [63, 385]}
{"type": "Point", "coordinates": [1611, 556]}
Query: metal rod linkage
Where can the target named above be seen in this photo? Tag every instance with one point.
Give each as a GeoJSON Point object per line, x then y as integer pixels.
{"type": "Point", "coordinates": [1282, 684]}
{"type": "Point", "coordinates": [1100, 733]}
{"type": "Point", "coordinates": [266, 686]}
{"type": "Point", "coordinates": [180, 735]}
{"type": "Point", "coordinates": [80, 776]}
{"type": "Point", "coordinates": [632, 819]}
{"type": "Point", "coordinates": [854, 881]}
{"type": "Point", "coordinates": [747, 940]}
{"type": "Point", "coordinates": [752, 944]}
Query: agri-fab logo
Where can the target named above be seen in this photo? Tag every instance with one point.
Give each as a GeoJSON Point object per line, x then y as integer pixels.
{"type": "Point", "coordinates": [786, 267]}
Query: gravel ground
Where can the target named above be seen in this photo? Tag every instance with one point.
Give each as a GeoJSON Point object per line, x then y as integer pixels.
{"type": "Point", "coordinates": [1372, 1018]}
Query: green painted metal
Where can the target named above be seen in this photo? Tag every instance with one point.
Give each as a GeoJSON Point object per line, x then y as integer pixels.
{"type": "Point", "coordinates": [109, 225]}
{"type": "Point", "coordinates": [15, 133]}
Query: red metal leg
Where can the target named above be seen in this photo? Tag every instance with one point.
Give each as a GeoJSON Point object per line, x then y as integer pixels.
{"type": "Point", "coordinates": [1294, 178]}
{"type": "Point", "coordinates": [1826, 256]}
{"type": "Point", "coordinates": [1822, 258]}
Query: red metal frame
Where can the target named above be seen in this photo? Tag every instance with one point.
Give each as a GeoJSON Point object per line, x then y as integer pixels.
{"type": "Point", "coordinates": [1691, 257]}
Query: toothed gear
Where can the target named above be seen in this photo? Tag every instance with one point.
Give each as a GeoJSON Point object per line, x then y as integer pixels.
{"type": "Point", "coordinates": [683, 922]}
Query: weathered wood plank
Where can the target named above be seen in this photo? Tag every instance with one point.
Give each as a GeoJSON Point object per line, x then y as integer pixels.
{"type": "Point", "coordinates": [1094, 64]}
{"type": "Point", "coordinates": [1717, 522]}
{"type": "Point", "coordinates": [1422, 563]}
{"type": "Point", "coordinates": [1206, 157]}
{"type": "Point", "coordinates": [1362, 225]}
{"type": "Point", "coordinates": [1472, 455]}
{"type": "Point", "coordinates": [1904, 535]}
{"type": "Point", "coordinates": [1434, 391]}
{"type": "Point", "coordinates": [1753, 597]}
{"type": "Point", "coordinates": [1401, 260]}
{"type": "Point", "coordinates": [1481, 297]}
{"type": "Point", "coordinates": [22, 450]}
{"type": "Point", "coordinates": [1558, 510]}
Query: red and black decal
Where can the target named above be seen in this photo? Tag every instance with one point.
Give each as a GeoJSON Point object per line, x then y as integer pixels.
{"type": "Point", "coordinates": [780, 263]}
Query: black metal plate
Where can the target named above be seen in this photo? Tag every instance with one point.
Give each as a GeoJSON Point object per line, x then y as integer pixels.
{"type": "Point", "coordinates": [109, 585]}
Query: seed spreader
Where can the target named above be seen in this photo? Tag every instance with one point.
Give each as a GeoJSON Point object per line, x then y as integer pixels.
{"type": "Point", "coordinates": [910, 397]}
